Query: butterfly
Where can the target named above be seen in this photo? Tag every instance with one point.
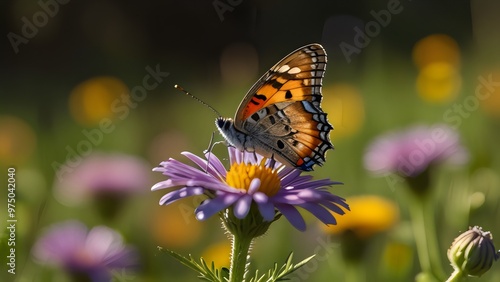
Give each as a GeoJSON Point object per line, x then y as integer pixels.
{"type": "Point", "coordinates": [280, 117]}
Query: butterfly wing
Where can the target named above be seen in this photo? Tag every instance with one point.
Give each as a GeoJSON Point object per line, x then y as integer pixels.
{"type": "Point", "coordinates": [282, 111]}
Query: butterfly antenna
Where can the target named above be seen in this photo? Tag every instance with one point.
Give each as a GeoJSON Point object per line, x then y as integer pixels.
{"type": "Point", "coordinates": [198, 99]}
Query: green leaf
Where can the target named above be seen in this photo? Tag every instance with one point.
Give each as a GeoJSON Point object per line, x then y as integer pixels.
{"type": "Point", "coordinates": [280, 274]}
{"type": "Point", "coordinates": [205, 272]}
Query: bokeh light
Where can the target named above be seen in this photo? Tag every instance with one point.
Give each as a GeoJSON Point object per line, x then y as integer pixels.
{"type": "Point", "coordinates": [488, 93]}
{"type": "Point", "coordinates": [175, 226]}
{"type": "Point", "coordinates": [17, 140]}
{"type": "Point", "coordinates": [368, 215]}
{"type": "Point", "coordinates": [438, 82]}
{"type": "Point", "coordinates": [345, 107]}
{"type": "Point", "coordinates": [437, 57]}
{"type": "Point", "coordinates": [217, 253]}
{"type": "Point", "coordinates": [436, 48]}
{"type": "Point", "coordinates": [92, 100]}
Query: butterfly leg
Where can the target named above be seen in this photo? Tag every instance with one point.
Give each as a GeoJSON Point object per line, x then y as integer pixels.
{"type": "Point", "coordinates": [209, 150]}
{"type": "Point", "coordinates": [211, 146]}
{"type": "Point", "coordinates": [272, 161]}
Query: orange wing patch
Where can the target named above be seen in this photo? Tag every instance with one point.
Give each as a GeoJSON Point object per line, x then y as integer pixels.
{"type": "Point", "coordinates": [275, 92]}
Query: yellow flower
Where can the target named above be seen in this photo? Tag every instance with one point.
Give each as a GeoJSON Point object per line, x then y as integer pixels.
{"type": "Point", "coordinates": [369, 215]}
{"type": "Point", "coordinates": [218, 253]}
{"type": "Point", "coordinates": [436, 48]}
{"type": "Point", "coordinates": [345, 107]}
{"type": "Point", "coordinates": [95, 99]}
{"type": "Point", "coordinates": [438, 82]}
{"type": "Point", "coordinates": [174, 225]}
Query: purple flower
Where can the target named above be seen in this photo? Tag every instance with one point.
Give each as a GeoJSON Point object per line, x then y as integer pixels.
{"type": "Point", "coordinates": [251, 179]}
{"type": "Point", "coordinates": [101, 174]}
{"type": "Point", "coordinates": [93, 254]}
{"type": "Point", "coordinates": [411, 152]}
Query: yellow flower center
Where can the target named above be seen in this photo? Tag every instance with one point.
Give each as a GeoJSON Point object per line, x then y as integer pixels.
{"type": "Point", "coordinates": [240, 175]}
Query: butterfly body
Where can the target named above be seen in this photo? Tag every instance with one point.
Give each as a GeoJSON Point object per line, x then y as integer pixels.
{"type": "Point", "coordinates": [281, 115]}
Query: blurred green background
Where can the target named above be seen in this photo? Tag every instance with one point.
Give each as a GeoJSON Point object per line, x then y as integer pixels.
{"type": "Point", "coordinates": [78, 68]}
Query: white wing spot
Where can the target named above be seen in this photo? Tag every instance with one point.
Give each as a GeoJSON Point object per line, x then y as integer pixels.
{"type": "Point", "coordinates": [294, 70]}
{"type": "Point", "coordinates": [283, 69]}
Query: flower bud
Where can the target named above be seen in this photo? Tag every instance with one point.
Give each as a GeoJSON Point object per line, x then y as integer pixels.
{"type": "Point", "coordinates": [473, 252]}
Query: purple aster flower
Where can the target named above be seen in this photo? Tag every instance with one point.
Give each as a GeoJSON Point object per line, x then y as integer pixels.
{"type": "Point", "coordinates": [409, 153]}
{"type": "Point", "coordinates": [102, 173]}
{"type": "Point", "coordinates": [107, 179]}
{"type": "Point", "coordinates": [251, 181]}
{"type": "Point", "coordinates": [92, 254]}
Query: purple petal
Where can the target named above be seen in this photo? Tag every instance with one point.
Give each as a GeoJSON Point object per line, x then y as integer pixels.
{"type": "Point", "coordinates": [209, 166]}
{"type": "Point", "coordinates": [320, 212]}
{"type": "Point", "coordinates": [254, 186]}
{"type": "Point", "coordinates": [232, 155]}
{"type": "Point", "coordinates": [293, 216]}
{"type": "Point", "coordinates": [126, 258]}
{"type": "Point", "coordinates": [317, 183]}
{"type": "Point", "coordinates": [306, 183]}
{"type": "Point", "coordinates": [260, 197]}
{"type": "Point", "coordinates": [183, 175]}
{"type": "Point", "coordinates": [286, 170]}
{"type": "Point", "coordinates": [60, 242]}
{"type": "Point", "coordinates": [179, 194]}
{"type": "Point", "coordinates": [266, 209]}
{"type": "Point", "coordinates": [288, 175]}
{"type": "Point", "coordinates": [164, 184]}
{"type": "Point", "coordinates": [251, 158]}
{"type": "Point", "coordinates": [216, 164]}
{"type": "Point", "coordinates": [287, 198]}
{"type": "Point", "coordinates": [235, 155]}
{"type": "Point", "coordinates": [309, 195]}
{"type": "Point", "coordinates": [174, 167]}
{"type": "Point", "coordinates": [212, 206]}
{"type": "Point", "coordinates": [334, 206]}
{"type": "Point", "coordinates": [411, 151]}
{"type": "Point", "coordinates": [242, 206]}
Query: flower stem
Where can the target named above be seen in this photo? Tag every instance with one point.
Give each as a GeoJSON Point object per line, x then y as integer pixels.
{"type": "Point", "coordinates": [418, 225]}
{"type": "Point", "coordinates": [239, 257]}
{"type": "Point", "coordinates": [432, 242]}
{"type": "Point", "coordinates": [456, 276]}
{"type": "Point", "coordinates": [425, 240]}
